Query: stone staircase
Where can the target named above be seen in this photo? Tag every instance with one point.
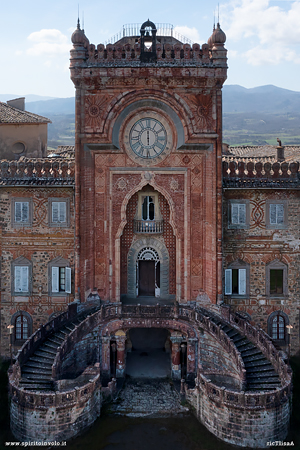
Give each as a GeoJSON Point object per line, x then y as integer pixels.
{"type": "Point", "coordinates": [260, 374]}
{"type": "Point", "coordinates": [36, 373]}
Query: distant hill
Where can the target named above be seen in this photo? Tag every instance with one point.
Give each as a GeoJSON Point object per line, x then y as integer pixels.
{"type": "Point", "coordinates": [53, 106]}
{"type": "Point", "coordinates": [250, 116]}
{"type": "Point", "coordinates": [28, 98]}
{"type": "Point", "coordinates": [267, 99]}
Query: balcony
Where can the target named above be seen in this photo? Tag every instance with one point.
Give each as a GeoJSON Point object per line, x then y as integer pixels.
{"type": "Point", "coordinates": [148, 226]}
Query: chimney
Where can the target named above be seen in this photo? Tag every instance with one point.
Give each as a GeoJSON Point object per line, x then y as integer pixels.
{"type": "Point", "coordinates": [18, 103]}
{"type": "Point", "coordinates": [280, 151]}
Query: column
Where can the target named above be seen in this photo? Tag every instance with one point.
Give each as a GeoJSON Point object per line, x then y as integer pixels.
{"type": "Point", "coordinates": [176, 367]}
{"type": "Point", "coordinates": [120, 369]}
{"type": "Point", "coordinates": [105, 357]}
{"type": "Point", "coordinates": [191, 359]}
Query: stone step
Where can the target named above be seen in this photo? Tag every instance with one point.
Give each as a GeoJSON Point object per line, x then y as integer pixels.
{"type": "Point", "coordinates": [243, 346]}
{"type": "Point", "coordinates": [51, 345]}
{"type": "Point", "coordinates": [232, 333]}
{"type": "Point", "coordinates": [268, 376]}
{"type": "Point", "coordinates": [262, 387]}
{"type": "Point", "coordinates": [30, 364]}
{"type": "Point", "coordinates": [44, 354]}
{"type": "Point", "coordinates": [238, 339]}
{"type": "Point", "coordinates": [252, 352]}
{"type": "Point", "coordinates": [50, 350]}
{"type": "Point", "coordinates": [257, 360]}
{"type": "Point", "coordinates": [36, 386]}
{"type": "Point", "coordinates": [260, 368]}
{"type": "Point", "coordinates": [36, 370]}
{"type": "Point", "coordinates": [41, 377]}
{"type": "Point", "coordinates": [56, 340]}
{"type": "Point", "coordinates": [37, 361]}
{"type": "Point", "coordinates": [264, 382]}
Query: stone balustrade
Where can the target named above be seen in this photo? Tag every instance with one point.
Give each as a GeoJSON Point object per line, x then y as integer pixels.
{"type": "Point", "coordinates": [37, 171]}
{"type": "Point", "coordinates": [260, 339]}
{"type": "Point", "coordinates": [248, 172]}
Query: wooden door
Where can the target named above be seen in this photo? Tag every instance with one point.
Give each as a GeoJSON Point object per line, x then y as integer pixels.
{"type": "Point", "coordinates": [147, 278]}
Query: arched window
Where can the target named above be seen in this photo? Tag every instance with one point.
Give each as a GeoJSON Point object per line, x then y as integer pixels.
{"type": "Point", "coordinates": [21, 328]}
{"type": "Point", "coordinates": [22, 325]}
{"type": "Point", "coordinates": [278, 328]}
{"type": "Point", "coordinates": [277, 322]}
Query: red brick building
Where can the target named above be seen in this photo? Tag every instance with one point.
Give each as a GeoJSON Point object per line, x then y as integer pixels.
{"type": "Point", "coordinates": [146, 220]}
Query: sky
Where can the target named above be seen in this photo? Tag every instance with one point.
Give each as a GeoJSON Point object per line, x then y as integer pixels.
{"type": "Point", "coordinates": [263, 38]}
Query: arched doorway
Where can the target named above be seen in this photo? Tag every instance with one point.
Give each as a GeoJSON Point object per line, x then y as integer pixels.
{"type": "Point", "coordinates": [148, 273]}
{"type": "Point", "coordinates": [150, 353]}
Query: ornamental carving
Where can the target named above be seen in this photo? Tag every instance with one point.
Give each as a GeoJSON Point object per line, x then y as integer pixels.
{"type": "Point", "coordinates": [95, 106]}
{"type": "Point", "coordinates": [202, 109]}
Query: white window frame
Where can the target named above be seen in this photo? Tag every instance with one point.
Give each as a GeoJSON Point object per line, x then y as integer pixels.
{"type": "Point", "coordinates": [63, 211]}
{"type": "Point", "coordinates": [243, 279]}
{"type": "Point", "coordinates": [270, 204]}
{"type": "Point", "coordinates": [21, 280]}
{"type": "Point", "coordinates": [24, 221]}
{"type": "Point", "coordinates": [56, 282]}
{"type": "Point", "coordinates": [54, 268]}
{"type": "Point", "coordinates": [243, 208]}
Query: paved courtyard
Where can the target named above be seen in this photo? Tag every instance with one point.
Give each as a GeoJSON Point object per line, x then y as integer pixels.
{"type": "Point", "coordinates": [148, 398]}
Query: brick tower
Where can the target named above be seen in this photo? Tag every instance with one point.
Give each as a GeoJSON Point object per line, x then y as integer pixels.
{"type": "Point", "coordinates": [148, 165]}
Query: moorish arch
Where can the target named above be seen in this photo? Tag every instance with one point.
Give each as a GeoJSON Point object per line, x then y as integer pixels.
{"type": "Point", "coordinates": [166, 267]}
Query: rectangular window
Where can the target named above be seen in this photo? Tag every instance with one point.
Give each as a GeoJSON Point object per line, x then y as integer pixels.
{"type": "Point", "coordinates": [61, 279]}
{"type": "Point", "coordinates": [21, 279]}
{"type": "Point", "coordinates": [276, 281]}
{"type": "Point", "coordinates": [235, 281]}
{"type": "Point", "coordinates": [276, 214]}
{"type": "Point", "coordinates": [238, 213]}
{"type": "Point", "coordinates": [59, 212]}
{"type": "Point", "coordinates": [21, 212]}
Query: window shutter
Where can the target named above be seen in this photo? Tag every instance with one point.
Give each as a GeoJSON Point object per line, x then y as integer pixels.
{"type": "Point", "coordinates": [242, 213]}
{"type": "Point", "coordinates": [273, 214]}
{"type": "Point", "coordinates": [68, 280]}
{"type": "Point", "coordinates": [18, 211]}
{"type": "Point", "coordinates": [25, 211]}
{"type": "Point", "coordinates": [55, 279]}
{"type": "Point", "coordinates": [228, 281]}
{"type": "Point", "coordinates": [24, 278]}
{"type": "Point", "coordinates": [18, 284]}
{"type": "Point", "coordinates": [55, 212]}
{"type": "Point", "coordinates": [280, 214]}
{"type": "Point", "coordinates": [62, 212]}
{"type": "Point", "coordinates": [242, 281]}
{"type": "Point", "coordinates": [234, 213]}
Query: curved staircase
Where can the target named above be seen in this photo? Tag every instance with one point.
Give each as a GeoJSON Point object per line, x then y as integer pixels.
{"type": "Point", "coordinates": [37, 371]}
{"type": "Point", "coordinates": [260, 373]}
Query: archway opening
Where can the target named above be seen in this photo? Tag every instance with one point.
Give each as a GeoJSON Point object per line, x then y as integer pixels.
{"type": "Point", "coordinates": [148, 353]}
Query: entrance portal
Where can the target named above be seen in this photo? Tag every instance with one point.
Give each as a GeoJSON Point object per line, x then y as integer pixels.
{"type": "Point", "coordinates": [148, 273]}
{"type": "Point", "coordinates": [150, 354]}
{"type": "Point", "coordinates": [147, 278]}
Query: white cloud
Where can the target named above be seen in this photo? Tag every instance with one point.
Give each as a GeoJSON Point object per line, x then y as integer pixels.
{"type": "Point", "coordinates": [190, 33]}
{"type": "Point", "coordinates": [266, 34]}
{"type": "Point", "coordinates": [48, 42]}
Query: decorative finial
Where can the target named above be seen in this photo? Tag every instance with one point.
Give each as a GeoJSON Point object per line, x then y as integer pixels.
{"type": "Point", "coordinates": [78, 21]}
{"type": "Point", "coordinates": [218, 13]}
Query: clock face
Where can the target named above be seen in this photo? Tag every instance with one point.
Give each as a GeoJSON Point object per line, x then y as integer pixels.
{"type": "Point", "coordinates": [148, 138]}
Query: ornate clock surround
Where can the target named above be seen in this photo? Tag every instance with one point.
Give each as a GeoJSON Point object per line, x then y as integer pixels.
{"type": "Point", "coordinates": [132, 134]}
